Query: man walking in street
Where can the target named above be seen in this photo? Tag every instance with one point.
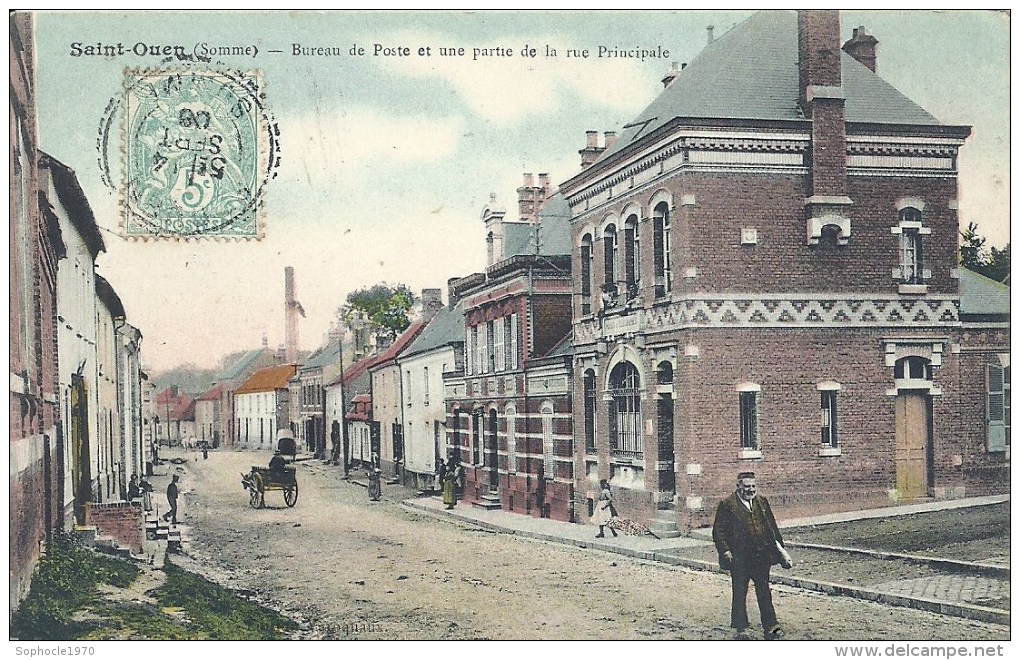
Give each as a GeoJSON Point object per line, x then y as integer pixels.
{"type": "Point", "coordinates": [748, 542]}
{"type": "Point", "coordinates": [171, 498]}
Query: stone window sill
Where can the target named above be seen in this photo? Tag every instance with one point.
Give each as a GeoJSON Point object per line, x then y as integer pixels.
{"type": "Point", "coordinates": [914, 289]}
{"type": "Point", "coordinates": [830, 451]}
{"type": "Point", "coordinates": [747, 454]}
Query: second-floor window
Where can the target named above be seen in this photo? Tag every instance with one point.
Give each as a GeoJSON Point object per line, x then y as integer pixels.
{"type": "Point", "coordinates": [586, 255]}
{"type": "Point", "coordinates": [661, 230]}
{"type": "Point", "coordinates": [631, 256]}
{"type": "Point", "coordinates": [589, 411]}
{"type": "Point", "coordinates": [610, 249]}
{"type": "Point", "coordinates": [911, 246]}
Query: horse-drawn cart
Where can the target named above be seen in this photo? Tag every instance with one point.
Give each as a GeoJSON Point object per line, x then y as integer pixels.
{"type": "Point", "coordinates": [261, 479]}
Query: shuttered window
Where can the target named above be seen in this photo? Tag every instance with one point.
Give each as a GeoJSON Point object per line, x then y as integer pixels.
{"type": "Point", "coordinates": [998, 407]}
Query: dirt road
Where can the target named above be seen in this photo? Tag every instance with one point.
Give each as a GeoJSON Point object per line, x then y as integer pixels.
{"type": "Point", "coordinates": [356, 569]}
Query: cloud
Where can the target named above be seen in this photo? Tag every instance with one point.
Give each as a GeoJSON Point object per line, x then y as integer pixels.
{"type": "Point", "coordinates": [507, 90]}
{"type": "Point", "coordinates": [343, 141]}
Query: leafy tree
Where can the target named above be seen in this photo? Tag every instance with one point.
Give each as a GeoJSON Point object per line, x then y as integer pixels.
{"type": "Point", "coordinates": [971, 251]}
{"type": "Point", "coordinates": [992, 263]}
{"type": "Point", "coordinates": [386, 307]}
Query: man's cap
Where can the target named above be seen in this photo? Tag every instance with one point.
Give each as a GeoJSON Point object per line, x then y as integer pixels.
{"type": "Point", "coordinates": [745, 475]}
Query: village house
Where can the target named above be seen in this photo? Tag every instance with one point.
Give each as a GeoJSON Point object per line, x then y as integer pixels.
{"type": "Point", "coordinates": [174, 417]}
{"type": "Point", "coordinates": [308, 388]}
{"type": "Point", "coordinates": [438, 349]}
{"type": "Point", "coordinates": [386, 387]}
{"type": "Point", "coordinates": [77, 315]}
{"type": "Point", "coordinates": [136, 452]}
{"type": "Point", "coordinates": [767, 280]}
{"type": "Point", "coordinates": [262, 406]}
{"type": "Point", "coordinates": [208, 415]}
{"type": "Point", "coordinates": [36, 497]}
{"type": "Point", "coordinates": [350, 383]}
{"type": "Point", "coordinates": [238, 368]}
{"type": "Point", "coordinates": [509, 411]}
{"type": "Point", "coordinates": [108, 469]}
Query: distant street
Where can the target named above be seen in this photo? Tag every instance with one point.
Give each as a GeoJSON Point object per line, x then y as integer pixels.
{"type": "Point", "coordinates": [355, 569]}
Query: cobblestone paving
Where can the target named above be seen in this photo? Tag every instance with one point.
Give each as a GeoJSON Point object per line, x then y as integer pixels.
{"type": "Point", "coordinates": [949, 588]}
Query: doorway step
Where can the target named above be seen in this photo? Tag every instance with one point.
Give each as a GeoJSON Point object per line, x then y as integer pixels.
{"type": "Point", "coordinates": [489, 501]}
{"type": "Point", "coordinates": [664, 525]}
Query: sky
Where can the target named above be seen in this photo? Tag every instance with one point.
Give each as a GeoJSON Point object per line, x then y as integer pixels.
{"type": "Point", "coordinates": [388, 161]}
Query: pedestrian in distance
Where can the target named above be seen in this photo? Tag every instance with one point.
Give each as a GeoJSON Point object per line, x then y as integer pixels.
{"type": "Point", "coordinates": [449, 476]}
{"type": "Point", "coordinates": [146, 489]}
{"type": "Point", "coordinates": [374, 474]}
{"type": "Point", "coordinates": [749, 543]}
{"type": "Point", "coordinates": [134, 491]}
{"type": "Point", "coordinates": [171, 498]}
{"type": "Point", "coordinates": [604, 510]}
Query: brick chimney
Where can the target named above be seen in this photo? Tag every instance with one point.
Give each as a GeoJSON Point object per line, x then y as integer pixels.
{"type": "Point", "coordinates": [451, 295]}
{"type": "Point", "coordinates": [431, 302]}
{"type": "Point", "coordinates": [823, 101]}
{"type": "Point", "coordinates": [610, 139]}
{"type": "Point", "coordinates": [529, 199]}
{"type": "Point", "coordinates": [591, 150]}
{"type": "Point", "coordinates": [863, 47]}
{"type": "Point", "coordinates": [544, 184]}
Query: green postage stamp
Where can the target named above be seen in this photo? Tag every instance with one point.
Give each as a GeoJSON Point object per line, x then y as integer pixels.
{"type": "Point", "coordinates": [197, 152]}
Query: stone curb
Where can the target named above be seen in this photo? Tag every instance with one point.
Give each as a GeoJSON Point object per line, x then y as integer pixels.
{"type": "Point", "coordinates": [954, 565]}
{"type": "Point", "coordinates": [974, 612]}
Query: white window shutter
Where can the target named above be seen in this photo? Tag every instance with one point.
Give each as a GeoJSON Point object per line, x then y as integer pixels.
{"type": "Point", "coordinates": [515, 342]}
{"type": "Point", "coordinates": [500, 360]}
{"type": "Point", "coordinates": [996, 408]}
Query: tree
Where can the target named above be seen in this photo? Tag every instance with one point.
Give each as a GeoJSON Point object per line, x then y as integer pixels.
{"type": "Point", "coordinates": [386, 307]}
{"type": "Point", "coordinates": [993, 263]}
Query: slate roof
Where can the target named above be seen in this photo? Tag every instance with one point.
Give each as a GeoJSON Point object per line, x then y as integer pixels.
{"type": "Point", "coordinates": [751, 72]}
{"type": "Point", "coordinates": [268, 379]}
{"type": "Point", "coordinates": [446, 327]}
{"type": "Point", "coordinates": [241, 366]}
{"type": "Point", "coordinates": [398, 345]}
{"type": "Point", "coordinates": [214, 393]}
{"type": "Point", "coordinates": [327, 356]}
{"type": "Point", "coordinates": [554, 237]}
{"type": "Point", "coordinates": [109, 297]}
{"type": "Point", "coordinates": [980, 295]}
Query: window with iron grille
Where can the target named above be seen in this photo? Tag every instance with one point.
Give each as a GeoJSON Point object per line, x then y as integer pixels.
{"type": "Point", "coordinates": [625, 410]}
{"type": "Point", "coordinates": [830, 437]}
{"type": "Point", "coordinates": [749, 420]}
{"type": "Point", "coordinates": [589, 411]}
{"type": "Point", "coordinates": [911, 247]}
{"type": "Point", "coordinates": [548, 444]}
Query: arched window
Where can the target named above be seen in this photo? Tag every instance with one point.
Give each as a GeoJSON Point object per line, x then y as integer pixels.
{"type": "Point", "coordinates": [586, 256]}
{"type": "Point", "coordinates": [610, 249]}
{"type": "Point", "coordinates": [661, 229]}
{"type": "Point", "coordinates": [511, 438]}
{"type": "Point", "coordinates": [548, 446]}
{"type": "Point", "coordinates": [625, 409]}
{"type": "Point", "coordinates": [631, 256]}
{"type": "Point", "coordinates": [589, 411]}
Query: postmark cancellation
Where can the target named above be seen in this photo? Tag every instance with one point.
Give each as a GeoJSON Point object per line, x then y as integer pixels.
{"type": "Point", "coordinates": [197, 150]}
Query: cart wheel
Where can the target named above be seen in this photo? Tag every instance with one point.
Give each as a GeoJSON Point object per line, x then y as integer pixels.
{"type": "Point", "coordinates": [257, 498]}
{"type": "Point", "coordinates": [290, 495]}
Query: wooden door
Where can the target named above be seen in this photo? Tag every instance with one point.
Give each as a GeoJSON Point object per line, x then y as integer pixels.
{"type": "Point", "coordinates": [913, 444]}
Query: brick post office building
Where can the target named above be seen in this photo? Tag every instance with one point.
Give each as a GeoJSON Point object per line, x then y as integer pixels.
{"type": "Point", "coordinates": [767, 280]}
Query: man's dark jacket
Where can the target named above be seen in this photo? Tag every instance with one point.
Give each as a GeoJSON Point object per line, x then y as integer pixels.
{"type": "Point", "coordinates": [750, 535]}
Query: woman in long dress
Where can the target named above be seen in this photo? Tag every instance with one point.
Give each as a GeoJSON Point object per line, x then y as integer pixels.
{"type": "Point", "coordinates": [449, 485]}
{"type": "Point", "coordinates": [603, 510]}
